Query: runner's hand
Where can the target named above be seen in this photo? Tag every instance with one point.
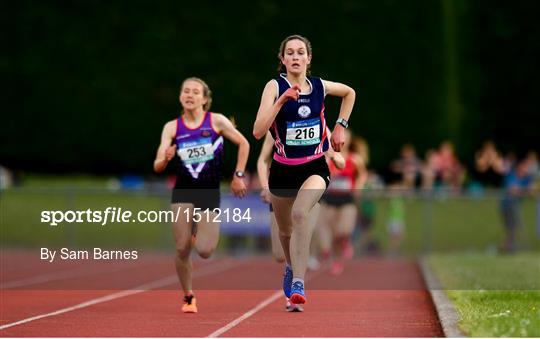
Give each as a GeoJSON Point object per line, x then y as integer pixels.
{"type": "Point", "coordinates": [338, 138]}
{"type": "Point", "coordinates": [170, 152]}
{"type": "Point", "coordinates": [293, 93]}
{"type": "Point", "coordinates": [338, 160]}
{"type": "Point", "coordinates": [265, 196]}
{"type": "Point", "coordinates": [238, 187]}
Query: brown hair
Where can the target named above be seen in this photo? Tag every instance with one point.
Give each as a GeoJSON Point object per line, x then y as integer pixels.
{"type": "Point", "coordinates": [207, 93]}
{"type": "Point", "coordinates": [360, 147]}
{"type": "Point", "coordinates": [281, 53]}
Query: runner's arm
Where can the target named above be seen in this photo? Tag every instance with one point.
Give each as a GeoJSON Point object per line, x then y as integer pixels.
{"type": "Point", "coordinates": [343, 91]}
{"type": "Point", "coordinates": [165, 151]}
{"type": "Point", "coordinates": [225, 127]}
{"type": "Point", "coordinates": [348, 94]}
{"type": "Point", "coordinates": [334, 156]}
{"type": "Point", "coordinates": [263, 162]}
{"type": "Point", "coordinates": [269, 107]}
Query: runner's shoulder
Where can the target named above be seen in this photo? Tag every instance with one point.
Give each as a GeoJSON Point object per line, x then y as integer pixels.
{"type": "Point", "coordinates": [170, 126]}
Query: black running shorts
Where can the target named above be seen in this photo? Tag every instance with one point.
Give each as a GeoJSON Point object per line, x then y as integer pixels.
{"type": "Point", "coordinates": [286, 180]}
{"type": "Point", "coordinates": [203, 197]}
{"type": "Point", "coordinates": [338, 199]}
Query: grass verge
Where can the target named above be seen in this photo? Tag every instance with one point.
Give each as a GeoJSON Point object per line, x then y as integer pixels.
{"type": "Point", "coordinates": [495, 296]}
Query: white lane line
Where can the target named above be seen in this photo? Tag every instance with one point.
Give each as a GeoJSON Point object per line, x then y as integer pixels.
{"type": "Point", "coordinates": [259, 307]}
{"type": "Point", "coordinates": [215, 268]}
{"type": "Point", "coordinates": [68, 274]}
{"type": "Point", "coordinates": [64, 274]}
{"type": "Point", "coordinates": [248, 314]}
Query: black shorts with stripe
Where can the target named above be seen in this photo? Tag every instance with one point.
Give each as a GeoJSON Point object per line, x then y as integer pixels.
{"type": "Point", "coordinates": [286, 180]}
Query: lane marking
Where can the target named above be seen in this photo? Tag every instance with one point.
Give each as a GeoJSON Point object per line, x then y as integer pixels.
{"type": "Point", "coordinates": [246, 315]}
{"type": "Point", "coordinates": [68, 274]}
{"type": "Point", "coordinates": [260, 306]}
{"type": "Point", "coordinates": [169, 280]}
{"type": "Point", "coordinates": [60, 275]}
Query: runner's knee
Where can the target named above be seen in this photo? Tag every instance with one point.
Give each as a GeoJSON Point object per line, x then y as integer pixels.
{"type": "Point", "coordinates": [206, 251]}
{"type": "Point", "coordinates": [278, 255]}
{"type": "Point", "coordinates": [299, 216]}
{"type": "Point", "coordinates": [183, 251]}
{"type": "Point", "coordinates": [285, 233]}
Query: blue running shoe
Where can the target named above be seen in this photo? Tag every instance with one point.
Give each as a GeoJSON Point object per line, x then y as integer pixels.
{"type": "Point", "coordinates": [287, 281]}
{"type": "Point", "coordinates": [298, 295]}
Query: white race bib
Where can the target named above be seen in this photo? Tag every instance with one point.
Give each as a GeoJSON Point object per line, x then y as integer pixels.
{"type": "Point", "coordinates": [339, 183]}
{"type": "Point", "coordinates": [196, 151]}
{"type": "Point", "coordinates": [304, 132]}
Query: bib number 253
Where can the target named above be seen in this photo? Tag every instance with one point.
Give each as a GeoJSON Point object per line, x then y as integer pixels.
{"type": "Point", "coordinates": [196, 152]}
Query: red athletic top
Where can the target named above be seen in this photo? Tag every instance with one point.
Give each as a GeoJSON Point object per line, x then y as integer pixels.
{"type": "Point", "coordinates": [344, 179]}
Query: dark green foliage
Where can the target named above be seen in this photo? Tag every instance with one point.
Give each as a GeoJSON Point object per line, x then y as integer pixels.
{"type": "Point", "coordinates": [88, 85]}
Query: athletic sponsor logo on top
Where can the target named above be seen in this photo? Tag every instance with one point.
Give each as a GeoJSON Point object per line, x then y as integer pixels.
{"type": "Point", "coordinates": [304, 111]}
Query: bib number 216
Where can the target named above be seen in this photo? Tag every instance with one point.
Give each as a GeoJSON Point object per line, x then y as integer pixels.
{"type": "Point", "coordinates": [305, 133]}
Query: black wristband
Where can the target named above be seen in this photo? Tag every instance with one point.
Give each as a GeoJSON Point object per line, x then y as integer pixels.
{"type": "Point", "coordinates": [342, 122]}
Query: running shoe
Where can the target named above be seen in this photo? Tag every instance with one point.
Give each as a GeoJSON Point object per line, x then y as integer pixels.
{"type": "Point", "coordinates": [337, 268]}
{"type": "Point", "coordinates": [298, 295]}
{"type": "Point", "coordinates": [287, 281]}
{"type": "Point", "coordinates": [348, 250]}
{"type": "Point", "coordinates": [313, 264]}
{"type": "Point", "coordinates": [325, 255]}
{"type": "Point", "coordinates": [190, 304]}
{"type": "Point", "coordinates": [290, 307]}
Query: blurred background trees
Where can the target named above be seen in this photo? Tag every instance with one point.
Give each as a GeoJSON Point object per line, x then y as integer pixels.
{"type": "Point", "coordinates": [88, 85]}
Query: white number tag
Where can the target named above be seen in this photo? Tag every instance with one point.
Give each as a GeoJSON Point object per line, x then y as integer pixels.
{"type": "Point", "coordinates": [305, 132]}
{"type": "Point", "coordinates": [192, 152]}
{"type": "Point", "coordinates": [339, 183]}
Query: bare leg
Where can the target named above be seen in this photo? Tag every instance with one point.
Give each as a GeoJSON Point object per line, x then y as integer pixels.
{"type": "Point", "coordinates": [182, 239]}
{"type": "Point", "coordinates": [344, 227]}
{"type": "Point", "coordinates": [304, 214]}
{"type": "Point", "coordinates": [327, 217]}
{"type": "Point", "coordinates": [277, 248]}
{"type": "Point", "coordinates": [282, 212]}
{"type": "Point", "coordinates": [207, 235]}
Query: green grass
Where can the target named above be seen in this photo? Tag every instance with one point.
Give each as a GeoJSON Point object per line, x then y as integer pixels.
{"type": "Point", "coordinates": [431, 224]}
{"type": "Point", "coordinates": [70, 181]}
{"type": "Point", "coordinates": [20, 215]}
{"type": "Point", "coordinates": [449, 224]}
{"type": "Point", "coordinates": [495, 296]}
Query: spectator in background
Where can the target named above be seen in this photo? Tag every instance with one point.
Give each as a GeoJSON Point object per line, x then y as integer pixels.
{"type": "Point", "coordinates": [366, 215]}
{"type": "Point", "coordinates": [408, 167]}
{"type": "Point", "coordinates": [449, 171]}
{"type": "Point", "coordinates": [396, 218]}
{"type": "Point", "coordinates": [6, 178]}
{"type": "Point", "coordinates": [509, 161]}
{"type": "Point", "coordinates": [429, 170]}
{"type": "Point", "coordinates": [374, 181]}
{"type": "Point", "coordinates": [534, 165]}
{"type": "Point", "coordinates": [488, 166]}
{"type": "Point", "coordinates": [534, 171]}
{"type": "Point", "coordinates": [517, 184]}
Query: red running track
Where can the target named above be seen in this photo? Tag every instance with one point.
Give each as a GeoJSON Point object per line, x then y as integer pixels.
{"type": "Point", "coordinates": [236, 298]}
